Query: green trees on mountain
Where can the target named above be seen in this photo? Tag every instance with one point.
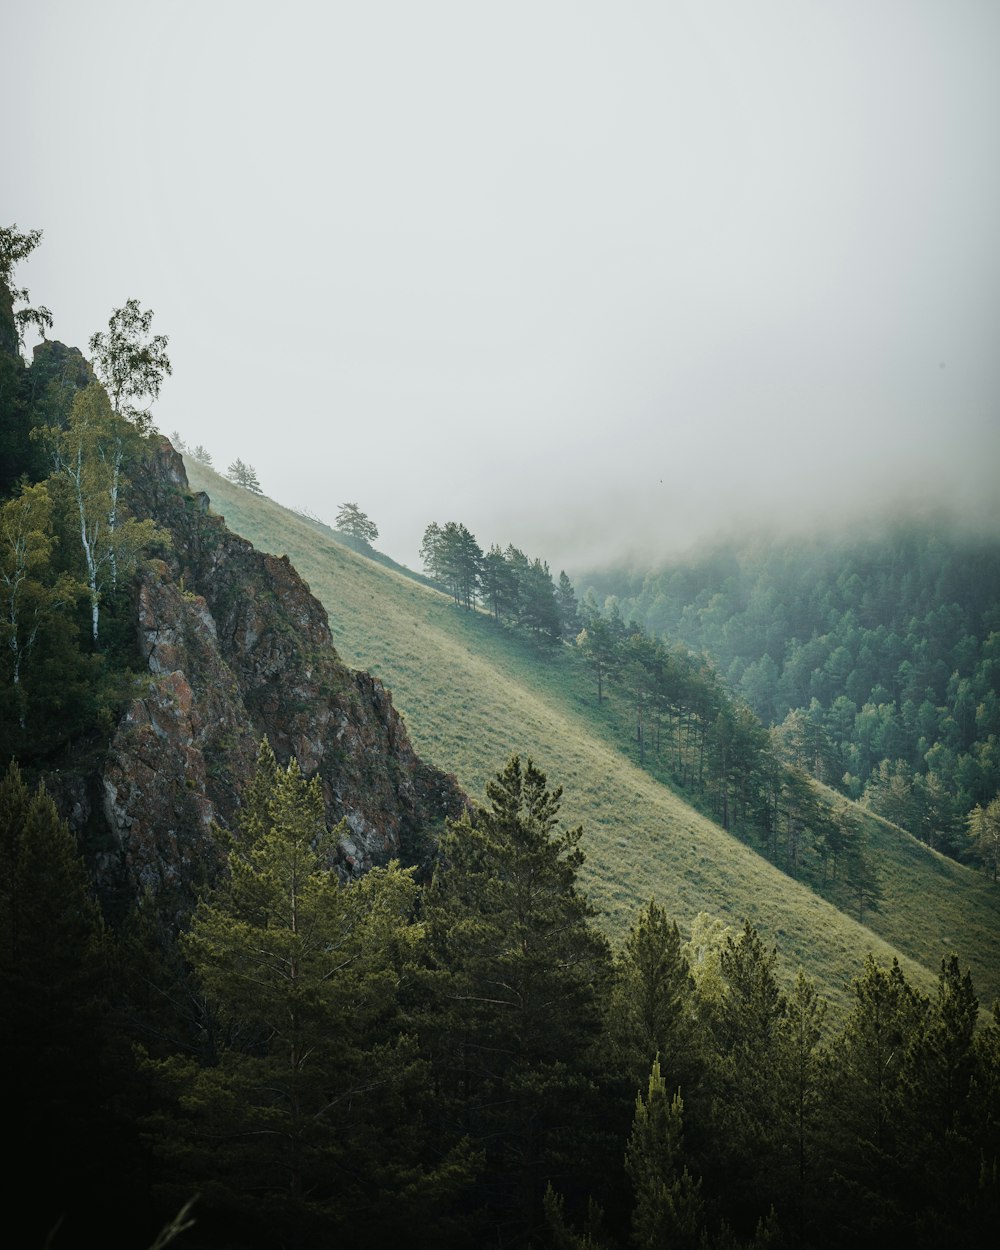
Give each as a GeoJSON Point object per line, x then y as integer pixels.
{"type": "Point", "coordinates": [668, 1206]}
{"type": "Point", "coordinates": [513, 588]}
{"type": "Point", "coordinates": [306, 1099]}
{"type": "Point", "coordinates": [356, 524]}
{"type": "Point", "coordinates": [90, 456]}
{"type": "Point", "coordinates": [130, 361]}
{"type": "Point", "coordinates": [52, 1011]}
{"type": "Point", "coordinates": [15, 246]}
{"type": "Point", "coordinates": [984, 832]}
{"type": "Point", "coordinates": [519, 973]}
{"type": "Point", "coordinates": [34, 590]}
{"type": "Point", "coordinates": [244, 475]}
{"type": "Point", "coordinates": [463, 1062]}
{"type": "Point", "coordinates": [67, 536]}
{"type": "Point", "coordinates": [878, 658]}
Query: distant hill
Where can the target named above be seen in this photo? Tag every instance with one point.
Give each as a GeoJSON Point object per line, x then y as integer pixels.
{"type": "Point", "coordinates": [472, 693]}
{"type": "Point", "coordinates": [888, 642]}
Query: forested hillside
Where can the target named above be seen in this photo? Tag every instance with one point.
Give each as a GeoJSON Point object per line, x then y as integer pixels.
{"type": "Point", "coordinates": [472, 690]}
{"type": "Point", "coordinates": [288, 985]}
{"type": "Point", "coordinates": [877, 658]}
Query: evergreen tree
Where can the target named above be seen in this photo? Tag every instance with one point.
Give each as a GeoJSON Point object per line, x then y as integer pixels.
{"type": "Point", "coordinates": [305, 1119]}
{"type": "Point", "coordinates": [518, 981]}
{"type": "Point", "coordinates": [747, 1115]}
{"type": "Point", "coordinates": [569, 610]}
{"type": "Point", "coordinates": [866, 1076]}
{"type": "Point", "coordinates": [201, 454]}
{"type": "Point", "coordinates": [539, 607]}
{"type": "Point", "coordinates": [499, 585]}
{"type": "Point", "coordinates": [600, 649]}
{"type": "Point", "coordinates": [356, 524]}
{"type": "Point", "coordinates": [244, 475]}
{"type": "Point", "coordinates": [669, 1209]}
{"type": "Point", "coordinates": [801, 1076]}
{"type": "Point", "coordinates": [652, 1009]}
{"type": "Point", "coordinates": [51, 1009]}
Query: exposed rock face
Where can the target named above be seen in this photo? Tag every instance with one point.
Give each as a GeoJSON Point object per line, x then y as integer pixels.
{"type": "Point", "coordinates": [236, 648]}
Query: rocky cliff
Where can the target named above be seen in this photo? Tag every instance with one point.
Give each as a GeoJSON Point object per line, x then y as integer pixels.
{"type": "Point", "coordinates": [236, 648]}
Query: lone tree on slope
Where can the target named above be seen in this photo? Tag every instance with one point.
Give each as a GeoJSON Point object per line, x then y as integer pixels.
{"type": "Point", "coordinates": [131, 362]}
{"type": "Point", "coordinates": [356, 524]}
{"type": "Point", "coordinates": [244, 475]}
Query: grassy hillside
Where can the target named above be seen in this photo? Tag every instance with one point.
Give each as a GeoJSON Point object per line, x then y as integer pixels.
{"type": "Point", "coordinates": [471, 695]}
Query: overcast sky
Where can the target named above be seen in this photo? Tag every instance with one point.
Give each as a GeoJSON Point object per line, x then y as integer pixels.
{"type": "Point", "coordinates": [583, 275]}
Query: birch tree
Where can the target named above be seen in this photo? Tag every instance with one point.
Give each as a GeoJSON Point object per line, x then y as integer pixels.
{"type": "Point", "coordinates": [30, 588]}
{"type": "Point", "coordinates": [131, 361]}
{"type": "Point", "coordinates": [89, 460]}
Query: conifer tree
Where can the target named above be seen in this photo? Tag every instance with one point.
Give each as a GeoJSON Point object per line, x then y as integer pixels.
{"type": "Point", "coordinates": [519, 974]}
{"type": "Point", "coordinates": [310, 1093]}
{"type": "Point", "coordinates": [244, 475]}
{"type": "Point", "coordinates": [51, 1009]}
{"type": "Point", "coordinates": [569, 610]}
{"type": "Point", "coordinates": [802, 1069]}
{"type": "Point", "coordinates": [357, 524]}
{"type": "Point", "coordinates": [669, 1209]}
{"type": "Point", "coordinates": [747, 1115]}
{"type": "Point", "coordinates": [867, 1079]}
{"type": "Point", "coordinates": [652, 1008]}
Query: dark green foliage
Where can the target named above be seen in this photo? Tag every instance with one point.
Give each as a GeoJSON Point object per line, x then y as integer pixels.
{"type": "Point", "coordinates": [653, 1009]}
{"type": "Point", "coordinates": [313, 1084]}
{"type": "Point", "coordinates": [518, 976]}
{"type": "Point", "coordinates": [513, 588]}
{"type": "Point", "coordinates": [669, 1209]}
{"type": "Point", "coordinates": [52, 1007]}
{"type": "Point", "coordinates": [351, 521]}
{"type": "Point", "coordinates": [880, 659]}
{"type": "Point", "coordinates": [131, 362]}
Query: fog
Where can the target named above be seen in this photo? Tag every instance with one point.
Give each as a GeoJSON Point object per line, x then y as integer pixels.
{"type": "Point", "coordinates": [599, 279]}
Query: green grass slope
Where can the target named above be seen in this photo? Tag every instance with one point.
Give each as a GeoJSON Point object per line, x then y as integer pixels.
{"type": "Point", "coordinates": [472, 694]}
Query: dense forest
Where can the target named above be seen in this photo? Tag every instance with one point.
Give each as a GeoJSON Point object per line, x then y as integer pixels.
{"type": "Point", "coordinates": [462, 1060]}
{"type": "Point", "coordinates": [445, 1050]}
{"type": "Point", "coordinates": [876, 659]}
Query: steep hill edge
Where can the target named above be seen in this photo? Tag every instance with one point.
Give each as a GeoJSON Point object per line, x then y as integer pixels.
{"type": "Point", "coordinates": [472, 694]}
{"type": "Point", "coordinates": [236, 648]}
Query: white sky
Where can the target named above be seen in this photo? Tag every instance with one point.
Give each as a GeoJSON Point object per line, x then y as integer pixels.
{"type": "Point", "coordinates": [584, 275]}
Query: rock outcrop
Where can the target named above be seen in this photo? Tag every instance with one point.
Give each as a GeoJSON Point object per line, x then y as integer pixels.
{"type": "Point", "coordinates": [237, 648]}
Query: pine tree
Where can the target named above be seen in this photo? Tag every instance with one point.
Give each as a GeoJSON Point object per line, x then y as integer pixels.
{"type": "Point", "coordinates": [313, 1089]}
{"type": "Point", "coordinates": [669, 1209]}
{"type": "Point", "coordinates": [51, 1013]}
{"type": "Point", "coordinates": [356, 524]}
{"type": "Point", "coordinates": [866, 1077]}
{"type": "Point", "coordinates": [569, 611]}
{"type": "Point", "coordinates": [244, 475]}
{"type": "Point", "coordinates": [600, 648]}
{"type": "Point", "coordinates": [801, 1073]}
{"type": "Point", "coordinates": [652, 1008]}
{"type": "Point", "coordinates": [518, 976]}
{"type": "Point", "coordinates": [748, 1080]}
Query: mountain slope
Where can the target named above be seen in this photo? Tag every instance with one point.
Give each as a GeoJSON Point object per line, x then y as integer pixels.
{"type": "Point", "coordinates": [471, 694]}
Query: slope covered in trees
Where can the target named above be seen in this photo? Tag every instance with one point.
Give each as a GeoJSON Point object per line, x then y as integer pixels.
{"type": "Point", "coordinates": [472, 693]}
{"type": "Point", "coordinates": [451, 1053]}
{"type": "Point", "coordinates": [877, 657]}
